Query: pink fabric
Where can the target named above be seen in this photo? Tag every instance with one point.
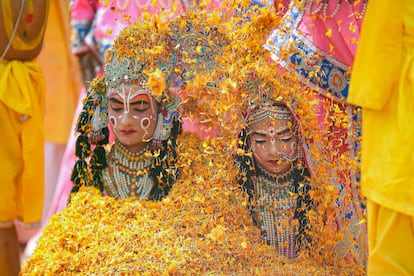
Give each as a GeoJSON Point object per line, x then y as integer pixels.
{"type": "Point", "coordinates": [110, 21]}
{"type": "Point", "coordinates": [336, 39]}
{"type": "Point", "coordinates": [64, 184]}
{"type": "Point", "coordinates": [110, 17]}
{"type": "Point", "coordinates": [345, 30]}
{"type": "Point", "coordinates": [106, 19]}
{"type": "Point", "coordinates": [84, 9]}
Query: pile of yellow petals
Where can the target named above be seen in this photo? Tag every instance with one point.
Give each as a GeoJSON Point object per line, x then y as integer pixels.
{"type": "Point", "coordinates": [201, 227]}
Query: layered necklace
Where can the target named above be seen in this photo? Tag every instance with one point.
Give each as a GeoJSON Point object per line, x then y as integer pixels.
{"type": "Point", "coordinates": [127, 174]}
{"type": "Point", "coordinates": [276, 205]}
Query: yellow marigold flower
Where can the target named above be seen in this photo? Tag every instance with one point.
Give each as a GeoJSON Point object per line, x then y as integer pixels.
{"type": "Point", "coordinates": [329, 33]}
{"type": "Point", "coordinates": [156, 82]}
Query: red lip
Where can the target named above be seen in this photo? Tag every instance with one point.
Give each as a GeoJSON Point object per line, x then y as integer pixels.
{"type": "Point", "coordinates": [127, 132]}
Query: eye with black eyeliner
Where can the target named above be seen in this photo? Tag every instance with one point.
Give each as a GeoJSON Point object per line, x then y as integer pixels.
{"type": "Point", "coordinates": [286, 139]}
{"type": "Point", "coordinates": [259, 141]}
{"type": "Point", "coordinates": [140, 110]}
{"type": "Point", "coordinates": [116, 109]}
{"type": "Point", "coordinates": [141, 106]}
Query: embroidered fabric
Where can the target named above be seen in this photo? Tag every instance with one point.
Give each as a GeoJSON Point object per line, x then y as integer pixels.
{"type": "Point", "coordinates": [333, 77]}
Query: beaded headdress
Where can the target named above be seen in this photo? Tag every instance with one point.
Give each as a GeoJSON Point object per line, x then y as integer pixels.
{"type": "Point", "coordinates": [261, 103]}
{"type": "Point", "coordinates": [264, 107]}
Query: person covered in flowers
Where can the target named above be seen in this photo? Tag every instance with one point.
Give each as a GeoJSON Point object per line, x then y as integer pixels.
{"type": "Point", "coordinates": [141, 161]}
{"type": "Point", "coordinates": [147, 67]}
{"type": "Point", "coordinates": [274, 175]}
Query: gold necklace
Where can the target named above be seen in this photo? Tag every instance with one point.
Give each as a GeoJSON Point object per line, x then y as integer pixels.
{"type": "Point", "coordinates": [277, 178]}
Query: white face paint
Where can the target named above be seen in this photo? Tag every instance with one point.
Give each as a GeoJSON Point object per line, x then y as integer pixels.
{"type": "Point", "coordinates": [274, 144]}
{"type": "Point", "coordinates": [132, 113]}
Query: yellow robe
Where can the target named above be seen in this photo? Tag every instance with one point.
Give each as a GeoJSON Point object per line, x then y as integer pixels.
{"type": "Point", "coordinates": [22, 93]}
{"type": "Point", "coordinates": [382, 83]}
{"type": "Point", "coordinates": [62, 73]}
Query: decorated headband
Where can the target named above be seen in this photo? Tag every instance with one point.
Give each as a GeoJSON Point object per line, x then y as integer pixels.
{"type": "Point", "coordinates": [261, 103]}
{"type": "Point", "coordinates": [268, 109]}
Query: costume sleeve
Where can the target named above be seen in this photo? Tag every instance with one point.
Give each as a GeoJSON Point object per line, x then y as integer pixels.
{"type": "Point", "coordinates": [82, 13]}
{"type": "Point", "coordinates": [377, 61]}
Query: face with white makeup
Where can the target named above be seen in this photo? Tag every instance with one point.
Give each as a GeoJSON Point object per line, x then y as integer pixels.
{"type": "Point", "coordinates": [274, 142]}
{"type": "Point", "coordinates": [132, 114]}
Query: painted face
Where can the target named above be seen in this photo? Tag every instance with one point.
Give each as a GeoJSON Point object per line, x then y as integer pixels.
{"type": "Point", "coordinates": [132, 115]}
{"type": "Point", "coordinates": [274, 144]}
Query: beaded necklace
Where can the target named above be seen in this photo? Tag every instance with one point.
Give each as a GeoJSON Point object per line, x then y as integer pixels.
{"type": "Point", "coordinates": [278, 179]}
{"type": "Point", "coordinates": [127, 174]}
{"type": "Point", "coordinates": [276, 207]}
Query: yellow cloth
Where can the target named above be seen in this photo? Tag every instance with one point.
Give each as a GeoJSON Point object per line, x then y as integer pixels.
{"type": "Point", "coordinates": [382, 83]}
{"type": "Point", "coordinates": [62, 73]}
{"type": "Point", "coordinates": [390, 238]}
{"type": "Point", "coordinates": [22, 91]}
